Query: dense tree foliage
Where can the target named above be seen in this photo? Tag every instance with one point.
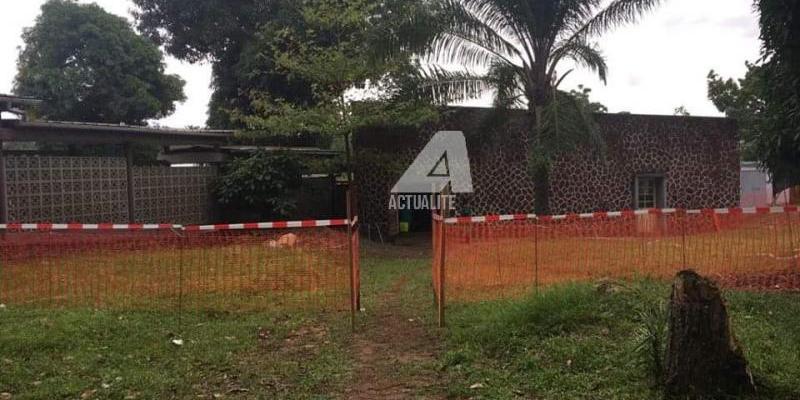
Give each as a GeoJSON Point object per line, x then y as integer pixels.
{"type": "Point", "coordinates": [330, 45]}
{"type": "Point", "coordinates": [743, 101]}
{"type": "Point", "coordinates": [766, 102]}
{"type": "Point", "coordinates": [779, 137]}
{"type": "Point", "coordinates": [236, 38]}
{"type": "Point", "coordinates": [89, 65]}
{"type": "Point", "coordinates": [263, 182]}
{"type": "Point", "coordinates": [308, 66]}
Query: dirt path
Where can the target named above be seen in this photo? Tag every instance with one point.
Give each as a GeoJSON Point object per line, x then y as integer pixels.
{"type": "Point", "coordinates": [396, 356]}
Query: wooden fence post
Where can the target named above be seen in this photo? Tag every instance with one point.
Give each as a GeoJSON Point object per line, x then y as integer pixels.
{"type": "Point", "coordinates": [681, 213]}
{"type": "Point", "coordinates": [442, 260]}
{"type": "Point", "coordinates": [792, 253]}
{"type": "Point", "coordinates": [536, 253]}
{"type": "Point", "coordinates": [351, 259]}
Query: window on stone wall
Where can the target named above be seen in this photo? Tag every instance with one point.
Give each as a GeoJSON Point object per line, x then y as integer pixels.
{"type": "Point", "coordinates": [649, 192]}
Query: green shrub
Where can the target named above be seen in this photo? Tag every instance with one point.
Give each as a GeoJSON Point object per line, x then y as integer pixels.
{"type": "Point", "coordinates": [265, 183]}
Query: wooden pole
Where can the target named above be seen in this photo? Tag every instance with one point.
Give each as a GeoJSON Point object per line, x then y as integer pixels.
{"type": "Point", "coordinates": [3, 189]}
{"type": "Point", "coordinates": [682, 215]}
{"type": "Point", "coordinates": [442, 261]}
{"type": "Point", "coordinates": [129, 176]}
{"type": "Point", "coordinates": [792, 253]}
{"type": "Point", "coordinates": [536, 254]}
{"type": "Point", "coordinates": [351, 259]}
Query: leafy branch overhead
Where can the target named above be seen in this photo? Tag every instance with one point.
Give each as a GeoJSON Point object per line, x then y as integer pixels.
{"type": "Point", "coordinates": [329, 47]}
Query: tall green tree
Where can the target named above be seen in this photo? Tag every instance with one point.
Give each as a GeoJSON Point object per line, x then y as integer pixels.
{"type": "Point", "coordinates": [766, 102]}
{"type": "Point", "coordinates": [89, 65]}
{"type": "Point", "coordinates": [515, 47]}
{"type": "Point", "coordinates": [778, 140]}
{"type": "Point", "coordinates": [742, 100]}
{"type": "Point", "coordinates": [230, 36]}
{"type": "Point", "coordinates": [268, 60]}
{"type": "Point", "coordinates": [330, 45]}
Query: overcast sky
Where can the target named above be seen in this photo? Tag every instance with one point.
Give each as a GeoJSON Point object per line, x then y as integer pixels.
{"type": "Point", "coordinates": [655, 66]}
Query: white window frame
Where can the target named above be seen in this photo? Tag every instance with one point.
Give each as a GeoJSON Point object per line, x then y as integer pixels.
{"type": "Point", "coordinates": [660, 184]}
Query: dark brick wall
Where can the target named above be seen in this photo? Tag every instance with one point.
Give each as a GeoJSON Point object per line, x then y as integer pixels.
{"type": "Point", "coordinates": [698, 157]}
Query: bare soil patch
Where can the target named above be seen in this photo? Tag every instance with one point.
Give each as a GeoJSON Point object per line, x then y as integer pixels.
{"type": "Point", "coordinates": [395, 356]}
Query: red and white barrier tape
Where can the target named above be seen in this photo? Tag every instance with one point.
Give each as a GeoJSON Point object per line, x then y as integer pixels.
{"type": "Point", "coordinates": [269, 225]}
{"type": "Point", "coordinates": [88, 227]}
{"type": "Point", "coordinates": [194, 228]}
{"type": "Point", "coordinates": [615, 214]}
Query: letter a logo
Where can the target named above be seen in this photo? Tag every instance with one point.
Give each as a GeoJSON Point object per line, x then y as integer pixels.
{"type": "Point", "coordinates": [443, 161]}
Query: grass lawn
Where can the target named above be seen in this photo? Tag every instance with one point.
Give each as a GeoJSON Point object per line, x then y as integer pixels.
{"type": "Point", "coordinates": [578, 342]}
{"type": "Point", "coordinates": [567, 342]}
{"type": "Point", "coordinates": [94, 354]}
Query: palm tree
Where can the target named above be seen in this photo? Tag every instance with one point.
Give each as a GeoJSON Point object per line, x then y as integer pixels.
{"type": "Point", "coordinates": [516, 46]}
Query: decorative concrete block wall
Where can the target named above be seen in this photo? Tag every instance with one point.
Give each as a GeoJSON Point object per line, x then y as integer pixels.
{"type": "Point", "coordinates": [66, 189]}
{"type": "Point", "coordinates": [174, 194]}
{"type": "Point", "coordinates": [95, 189]}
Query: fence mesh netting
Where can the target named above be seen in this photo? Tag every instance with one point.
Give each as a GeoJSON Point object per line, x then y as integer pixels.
{"type": "Point", "coordinates": [490, 257]}
{"type": "Point", "coordinates": [201, 268]}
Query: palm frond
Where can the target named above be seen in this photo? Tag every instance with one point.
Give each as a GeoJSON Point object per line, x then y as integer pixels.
{"type": "Point", "coordinates": [510, 88]}
{"type": "Point", "coordinates": [617, 13]}
{"type": "Point", "coordinates": [566, 125]}
{"type": "Point", "coordinates": [451, 48]}
{"type": "Point", "coordinates": [573, 15]}
{"type": "Point", "coordinates": [402, 27]}
{"type": "Point", "coordinates": [587, 55]}
{"type": "Point", "coordinates": [444, 86]}
{"type": "Point", "coordinates": [507, 17]}
{"type": "Point", "coordinates": [479, 35]}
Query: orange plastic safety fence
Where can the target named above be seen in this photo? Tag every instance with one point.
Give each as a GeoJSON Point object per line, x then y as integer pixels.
{"type": "Point", "coordinates": [491, 257]}
{"type": "Point", "coordinates": [200, 269]}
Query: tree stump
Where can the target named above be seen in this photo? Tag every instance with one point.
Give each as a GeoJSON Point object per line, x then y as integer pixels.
{"type": "Point", "coordinates": [703, 357]}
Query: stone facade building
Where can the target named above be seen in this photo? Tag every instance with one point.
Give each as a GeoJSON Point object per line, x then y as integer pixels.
{"type": "Point", "coordinates": [645, 161]}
